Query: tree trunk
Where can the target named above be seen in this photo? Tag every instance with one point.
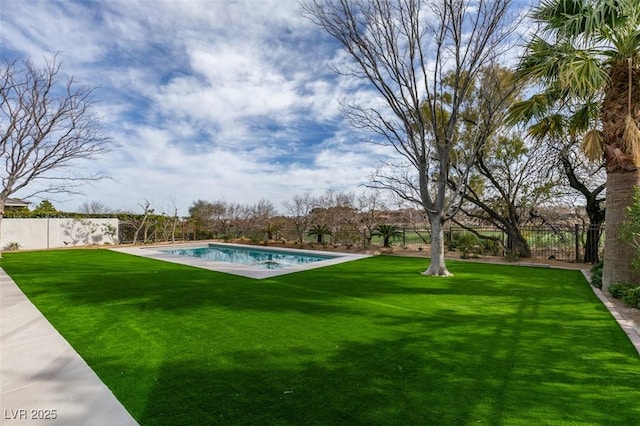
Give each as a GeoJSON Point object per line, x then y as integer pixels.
{"type": "Point", "coordinates": [596, 218]}
{"type": "Point", "coordinates": [592, 245]}
{"type": "Point", "coordinates": [517, 244]}
{"type": "Point", "coordinates": [438, 266]}
{"type": "Point", "coordinates": [618, 254]}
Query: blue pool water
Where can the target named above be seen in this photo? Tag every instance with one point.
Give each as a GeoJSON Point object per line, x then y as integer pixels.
{"type": "Point", "coordinates": [262, 258]}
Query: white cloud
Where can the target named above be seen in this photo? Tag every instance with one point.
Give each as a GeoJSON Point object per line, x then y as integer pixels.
{"type": "Point", "coordinates": [209, 99]}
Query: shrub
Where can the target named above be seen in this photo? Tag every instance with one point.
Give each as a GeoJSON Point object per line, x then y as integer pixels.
{"type": "Point", "coordinates": [491, 247]}
{"type": "Point", "coordinates": [596, 275]}
{"type": "Point", "coordinates": [467, 243]}
{"type": "Point", "coordinates": [632, 298]}
{"type": "Point", "coordinates": [620, 290]}
{"type": "Point", "coordinates": [13, 246]}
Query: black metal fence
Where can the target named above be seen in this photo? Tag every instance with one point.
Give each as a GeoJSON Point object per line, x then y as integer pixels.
{"type": "Point", "coordinates": [574, 243]}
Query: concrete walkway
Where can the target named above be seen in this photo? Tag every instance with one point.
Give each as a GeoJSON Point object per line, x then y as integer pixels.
{"type": "Point", "coordinates": [43, 380]}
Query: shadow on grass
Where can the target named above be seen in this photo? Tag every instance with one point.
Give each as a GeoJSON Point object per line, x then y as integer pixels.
{"type": "Point", "coordinates": [419, 377]}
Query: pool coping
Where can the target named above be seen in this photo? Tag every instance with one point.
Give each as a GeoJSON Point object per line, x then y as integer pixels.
{"type": "Point", "coordinates": [156, 252]}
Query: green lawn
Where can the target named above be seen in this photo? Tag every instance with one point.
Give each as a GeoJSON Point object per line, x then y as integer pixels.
{"type": "Point", "coordinates": [365, 342]}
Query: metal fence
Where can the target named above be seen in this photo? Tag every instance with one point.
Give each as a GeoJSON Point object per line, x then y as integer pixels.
{"type": "Point", "coordinates": [574, 243]}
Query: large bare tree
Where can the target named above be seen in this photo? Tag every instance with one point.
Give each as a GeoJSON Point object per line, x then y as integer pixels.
{"type": "Point", "coordinates": [299, 209]}
{"type": "Point", "coordinates": [411, 52]}
{"type": "Point", "coordinates": [47, 123]}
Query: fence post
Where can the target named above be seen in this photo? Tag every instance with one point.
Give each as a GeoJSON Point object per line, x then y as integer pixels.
{"type": "Point", "coordinates": [404, 237]}
{"type": "Point", "coordinates": [577, 236]}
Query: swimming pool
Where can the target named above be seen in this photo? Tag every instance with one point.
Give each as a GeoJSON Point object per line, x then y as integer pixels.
{"type": "Point", "coordinates": [273, 264]}
{"type": "Point", "coordinates": [258, 257]}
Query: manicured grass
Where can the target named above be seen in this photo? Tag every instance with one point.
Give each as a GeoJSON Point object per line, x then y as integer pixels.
{"type": "Point", "coordinates": [365, 342]}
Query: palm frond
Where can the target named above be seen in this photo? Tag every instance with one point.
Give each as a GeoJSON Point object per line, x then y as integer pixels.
{"type": "Point", "coordinates": [540, 62]}
{"type": "Point", "coordinates": [551, 126]}
{"type": "Point", "coordinates": [592, 144]}
{"type": "Point", "coordinates": [583, 73]}
{"type": "Point", "coordinates": [583, 118]}
{"type": "Point", "coordinates": [626, 45]}
{"type": "Point", "coordinates": [631, 139]}
{"type": "Point", "coordinates": [525, 111]}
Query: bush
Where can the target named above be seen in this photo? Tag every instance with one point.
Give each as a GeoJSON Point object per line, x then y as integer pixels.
{"type": "Point", "coordinates": [13, 246]}
{"type": "Point", "coordinates": [491, 247]}
{"type": "Point", "coordinates": [632, 297]}
{"type": "Point", "coordinates": [467, 243]}
{"type": "Point", "coordinates": [620, 290]}
{"type": "Point", "coordinates": [596, 275]}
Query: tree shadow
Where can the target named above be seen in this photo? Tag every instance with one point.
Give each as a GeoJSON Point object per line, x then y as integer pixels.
{"type": "Point", "coordinates": [420, 375]}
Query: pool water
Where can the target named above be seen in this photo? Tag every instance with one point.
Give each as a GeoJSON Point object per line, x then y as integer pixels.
{"type": "Point", "coordinates": [262, 258]}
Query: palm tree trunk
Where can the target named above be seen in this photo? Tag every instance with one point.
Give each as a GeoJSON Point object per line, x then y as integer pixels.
{"type": "Point", "coordinates": [618, 254]}
{"type": "Point", "coordinates": [620, 183]}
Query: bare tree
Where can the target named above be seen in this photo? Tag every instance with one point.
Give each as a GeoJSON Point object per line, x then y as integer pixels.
{"type": "Point", "coordinates": [370, 207]}
{"type": "Point", "coordinates": [337, 211]}
{"type": "Point", "coordinates": [94, 207]}
{"type": "Point", "coordinates": [408, 51]}
{"type": "Point", "coordinates": [170, 222]}
{"type": "Point", "coordinates": [299, 209]}
{"type": "Point", "coordinates": [143, 223]}
{"type": "Point", "coordinates": [47, 122]}
{"type": "Point", "coordinates": [258, 216]}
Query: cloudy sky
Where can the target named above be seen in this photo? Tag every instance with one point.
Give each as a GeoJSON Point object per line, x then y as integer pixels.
{"type": "Point", "coordinates": [209, 99]}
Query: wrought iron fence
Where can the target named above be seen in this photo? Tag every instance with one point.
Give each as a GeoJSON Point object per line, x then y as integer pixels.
{"type": "Point", "coordinates": [577, 243]}
{"type": "Point", "coordinates": [574, 243]}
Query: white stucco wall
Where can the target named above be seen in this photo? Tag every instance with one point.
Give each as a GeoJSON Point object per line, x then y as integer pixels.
{"type": "Point", "coordinates": [57, 232]}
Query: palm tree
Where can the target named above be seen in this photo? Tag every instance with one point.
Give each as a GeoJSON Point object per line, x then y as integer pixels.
{"type": "Point", "coordinates": [319, 231]}
{"type": "Point", "coordinates": [588, 52]}
{"type": "Point", "coordinates": [271, 229]}
{"type": "Point", "coordinates": [387, 232]}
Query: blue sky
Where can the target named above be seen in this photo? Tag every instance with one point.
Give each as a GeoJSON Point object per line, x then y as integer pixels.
{"type": "Point", "coordinates": [208, 99]}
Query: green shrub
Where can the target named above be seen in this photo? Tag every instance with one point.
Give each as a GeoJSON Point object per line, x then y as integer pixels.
{"type": "Point", "coordinates": [467, 243]}
{"type": "Point", "coordinates": [491, 247]}
{"type": "Point", "coordinates": [596, 274]}
{"type": "Point", "coordinates": [597, 266]}
{"type": "Point", "coordinates": [620, 290]}
{"type": "Point", "coordinates": [632, 297]}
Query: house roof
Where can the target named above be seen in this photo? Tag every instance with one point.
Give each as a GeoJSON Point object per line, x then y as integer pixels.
{"type": "Point", "coordinates": [15, 202]}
